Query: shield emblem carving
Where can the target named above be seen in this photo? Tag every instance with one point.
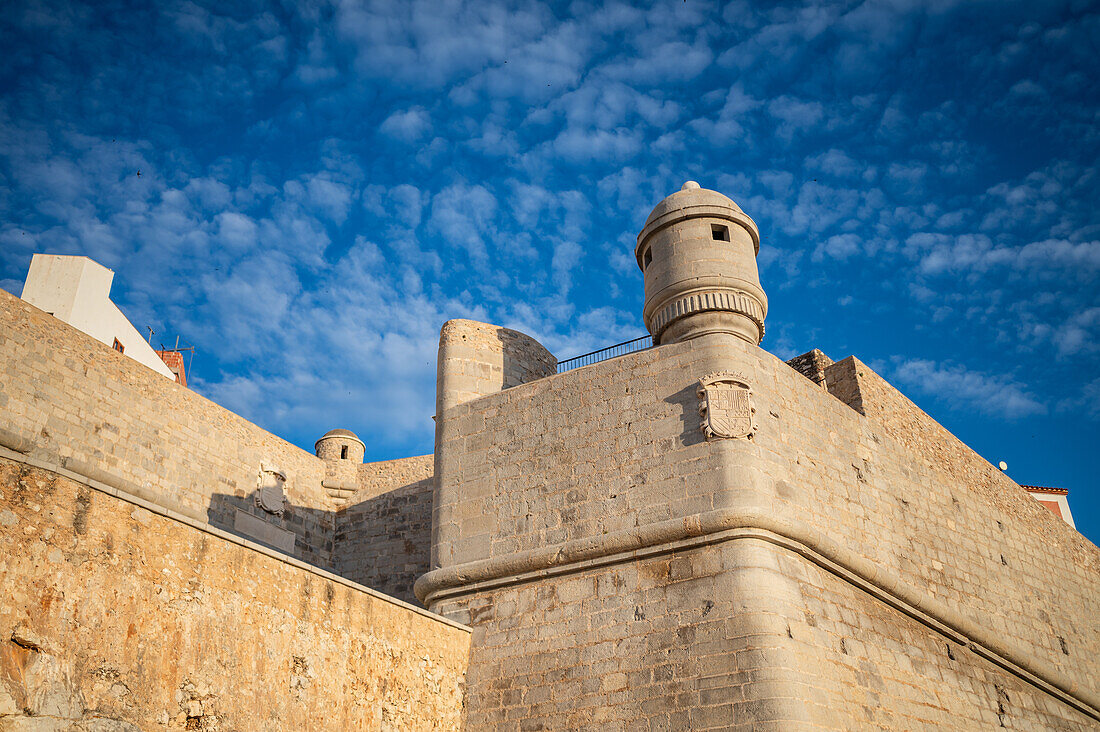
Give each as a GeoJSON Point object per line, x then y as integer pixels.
{"type": "Point", "coordinates": [269, 491]}
{"type": "Point", "coordinates": [726, 406]}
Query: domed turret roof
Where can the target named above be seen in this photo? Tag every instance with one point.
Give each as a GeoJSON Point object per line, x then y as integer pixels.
{"type": "Point", "coordinates": [693, 201]}
{"type": "Point", "coordinates": [690, 195]}
{"type": "Point", "coordinates": [346, 434]}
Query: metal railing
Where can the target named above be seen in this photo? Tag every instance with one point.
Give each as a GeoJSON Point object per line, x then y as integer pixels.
{"type": "Point", "coordinates": [619, 349]}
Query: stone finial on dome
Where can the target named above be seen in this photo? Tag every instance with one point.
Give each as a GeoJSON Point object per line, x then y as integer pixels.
{"type": "Point", "coordinates": [697, 253]}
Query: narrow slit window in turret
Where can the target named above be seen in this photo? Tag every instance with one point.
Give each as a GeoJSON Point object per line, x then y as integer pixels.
{"type": "Point", "coordinates": [719, 232]}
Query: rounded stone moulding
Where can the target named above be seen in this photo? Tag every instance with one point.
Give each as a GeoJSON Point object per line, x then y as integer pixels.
{"type": "Point", "coordinates": [697, 253]}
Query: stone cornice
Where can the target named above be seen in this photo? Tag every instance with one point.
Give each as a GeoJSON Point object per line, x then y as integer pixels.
{"type": "Point", "coordinates": [719, 299]}
{"type": "Point", "coordinates": [759, 524]}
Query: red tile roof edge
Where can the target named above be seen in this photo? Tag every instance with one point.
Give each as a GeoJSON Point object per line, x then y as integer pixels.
{"type": "Point", "coordinates": [1045, 489]}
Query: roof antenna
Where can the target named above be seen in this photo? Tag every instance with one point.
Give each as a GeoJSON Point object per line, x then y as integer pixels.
{"type": "Point", "coordinates": [150, 338]}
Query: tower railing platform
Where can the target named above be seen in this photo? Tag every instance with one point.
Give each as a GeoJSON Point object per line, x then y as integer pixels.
{"type": "Point", "coordinates": [619, 349]}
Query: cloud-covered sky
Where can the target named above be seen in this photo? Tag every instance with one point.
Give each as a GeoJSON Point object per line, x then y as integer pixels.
{"type": "Point", "coordinates": [306, 191]}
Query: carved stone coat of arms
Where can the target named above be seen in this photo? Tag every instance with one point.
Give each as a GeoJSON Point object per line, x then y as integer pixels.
{"type": "Point", "coordinates": [269, 490]}
{"type": "Point", "coordinates": [726, 406]}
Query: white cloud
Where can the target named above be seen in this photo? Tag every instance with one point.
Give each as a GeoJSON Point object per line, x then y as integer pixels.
{"type": "Point", "coordinates": [795, 114]}
{"type": "Point", "coordinates": [840, 246]}
{"type": "Point", "coordinates": [961, 388]}
{"type": "Point", "coordinates": [464, 215]}
{"type": "Point", "coordinates": [407, 125]}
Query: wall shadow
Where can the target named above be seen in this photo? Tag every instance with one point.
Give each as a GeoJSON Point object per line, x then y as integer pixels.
{"type": "Point", "coordinates": [385, 541]}
{"type": "Point", "coordinates": [309, 531]}
{"type": "Point", "coordinates": [382, 542]}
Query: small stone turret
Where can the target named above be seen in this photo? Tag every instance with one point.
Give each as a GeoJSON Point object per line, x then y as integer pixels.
{"type": "Point", "coordinates": [697, 253]}
{"type": "Point", "coordinates": [339, 445]}
{"type": "Point", "coordinates": [342, 451]}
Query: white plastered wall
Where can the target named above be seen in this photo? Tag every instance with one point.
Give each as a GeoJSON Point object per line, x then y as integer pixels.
{"type": "Point", "coordinates": [77, 290]}
{"type": "Point", "coordinates": [1057, 499]}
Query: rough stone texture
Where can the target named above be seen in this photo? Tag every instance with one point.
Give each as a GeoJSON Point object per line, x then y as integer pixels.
{"type": "Point", "coordinates": [854, 383]}
{"type": "Point", "coordinates": [117, 618]}
{"type": "Point", "coordinates": [67, 397]}
{"type": "Point", "coordinates": [812, 365]}
{"type": "Point", "coordinates": [342, 451]}
{"type": "Point", "coordinates": [742, 635]}
{"type": "Point", "coordinates": [71, 400]}
{"type": "Point", "coordinates": [384, 535]}
{"type": "Point", "coordinates": [582, 471]}
{"type": "Point", "coordinates": [850, 565]}
{"type": "Point", "coordinates": [476, 359]}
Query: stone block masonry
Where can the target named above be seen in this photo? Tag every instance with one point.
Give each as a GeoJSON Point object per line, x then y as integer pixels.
{"type": "Point", "coordinates": [476, 359]}
{"type": "Point", "coordinates": [898, 549]}
{"type": "Point", "coordinates": [66, 397]}
{"type": "Point", "coordinates": [117, 616]}
{"type": "Point", "coordinates": [384, 534]}
{"type": "Point", "coordinates": [73, 402]}
{"type": "Point", "coordinates": [812, 365]}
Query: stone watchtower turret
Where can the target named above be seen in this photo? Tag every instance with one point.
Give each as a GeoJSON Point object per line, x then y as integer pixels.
{"type": "Point", "coordinates": [342, 451]}
{"type": "Point", "coordinates": [697, 253]}
{"type": "Point", "coordinates": [340, 445]}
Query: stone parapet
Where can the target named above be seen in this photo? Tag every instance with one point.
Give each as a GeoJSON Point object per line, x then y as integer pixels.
{"type": "Point", "coordinates": [476, 359]}
{"type": "Point", "coordinates": [812, 365]}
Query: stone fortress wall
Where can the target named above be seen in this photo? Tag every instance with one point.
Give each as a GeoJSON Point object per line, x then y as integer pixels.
{"type": "Point", "coordinates": [702, 536]}
{"type": "Point", "coordinates": [837, 561]}
{"type": "Point", "coordinates": [618, 567]}
{"type": "Point", "coordinates": [128, 603]}
{"type": "Point", "coordinates": [384, 535]}
{"type": "Point", "coordinates": [121, 615]}
{"type": "Point", "coordinates": [71, 401]}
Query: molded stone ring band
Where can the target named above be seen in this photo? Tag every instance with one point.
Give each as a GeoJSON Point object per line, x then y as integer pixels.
{"type": "Point", "coordinates": [723, 525]}
{"type": "Point", "coordinates": [727, 300]}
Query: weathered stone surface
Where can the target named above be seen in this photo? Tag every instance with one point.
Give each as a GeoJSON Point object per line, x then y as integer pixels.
{"type": "Point", "coordinates": [587, 471]}
{"type": "Point", "coordinates": [476, 359]}
{"type": "Point", "coordinates": [118, 618]}
{"type": "Point", "coordinates": [697, 252]}
{"type": "Point", "coordinates": [841, 562]}
{"type": "Point", "coordinates": [384, 533]}
{"type": "Point", "coordinates": [812, 365]}
{"type": "Point", "coordinates": [79, 404]}
{"type": "Point", "coordinates": [75, 402]}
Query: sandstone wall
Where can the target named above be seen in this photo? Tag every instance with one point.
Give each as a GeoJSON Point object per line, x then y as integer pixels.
{"type": "Point", "coordinates": [597, 466]}
{"type": "Point", "coordinates": [741, 635]}
{"type": "Point", "coordinates": [383, 535]}
{"type": "Point", "coordinates": [69, 398]}
{"type": "Point", "coordinates": [117, 616]}
{"type": "Point", "coordinates": [856, 384]}
{"type": "Point", "coordinates": [476, 359]}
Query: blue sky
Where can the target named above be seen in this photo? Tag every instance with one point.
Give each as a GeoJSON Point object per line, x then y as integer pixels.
{"type": "Point", "coordinates": [322, 185]}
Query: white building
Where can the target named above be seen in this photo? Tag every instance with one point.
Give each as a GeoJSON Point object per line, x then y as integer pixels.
{"type": "Point", "coordinates": [77, 291]}
{"type": "Point", "coordinates": [1055, 499]}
